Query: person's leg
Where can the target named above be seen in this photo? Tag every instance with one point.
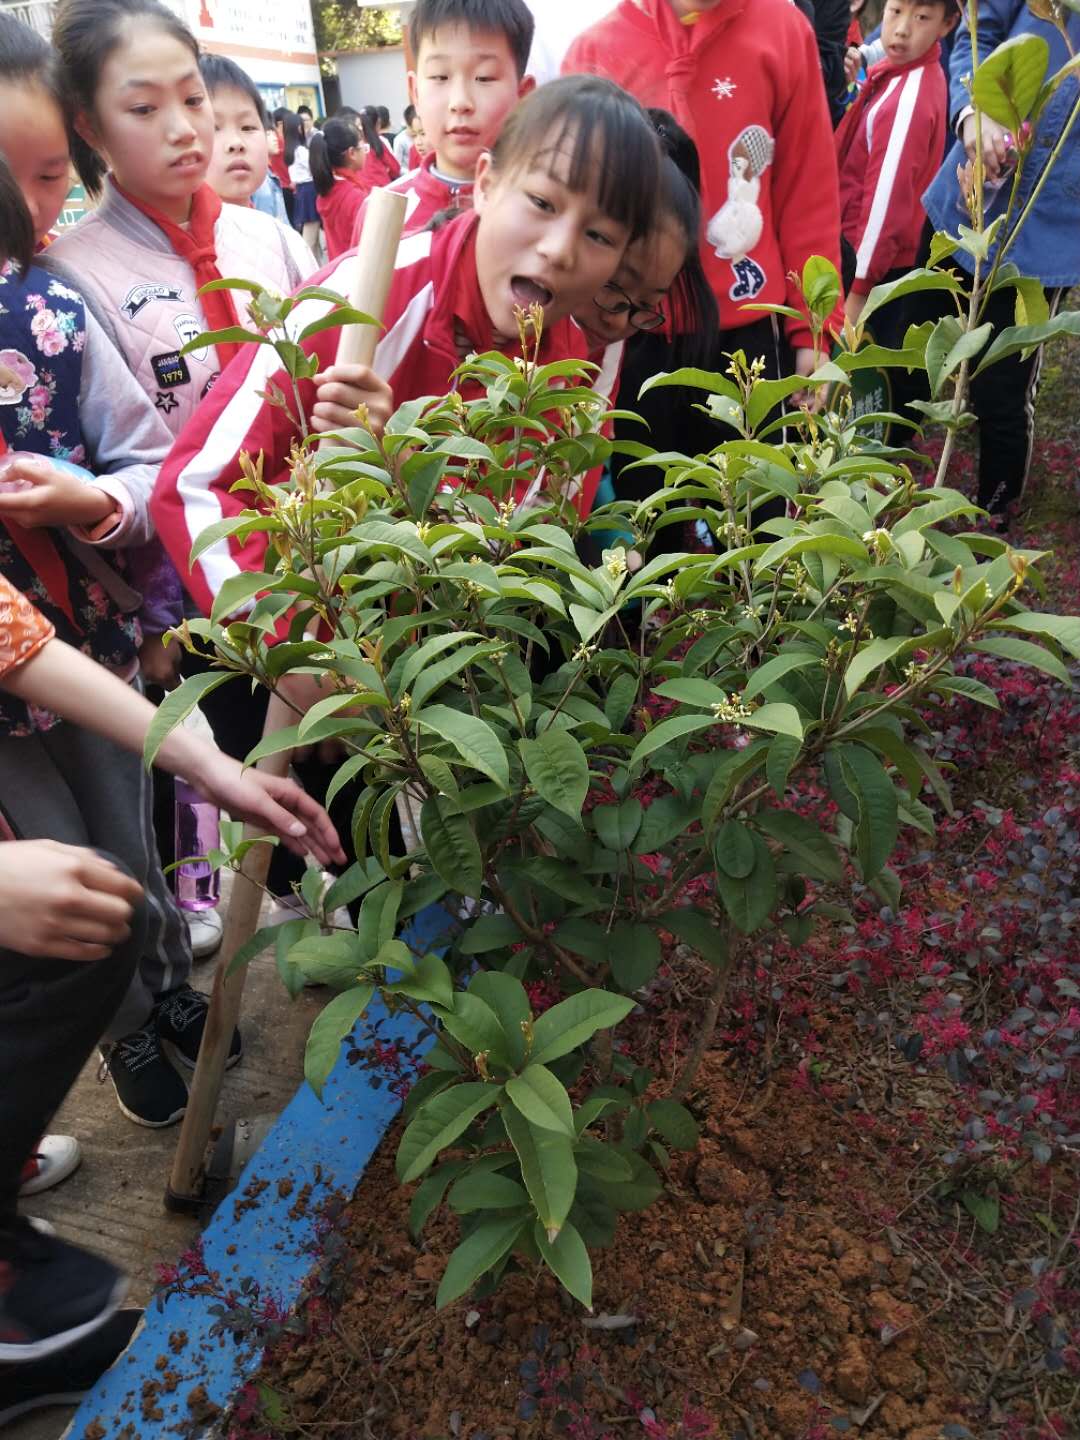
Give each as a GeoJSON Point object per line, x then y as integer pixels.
{"type": "Point", "coordinates": [51, 1014]}
{"type": "Point", "coordinates": [1003, 400]}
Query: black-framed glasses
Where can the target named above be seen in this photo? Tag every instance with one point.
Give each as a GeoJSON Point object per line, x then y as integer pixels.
{"type": "Point", "coordinates": [614, 300]}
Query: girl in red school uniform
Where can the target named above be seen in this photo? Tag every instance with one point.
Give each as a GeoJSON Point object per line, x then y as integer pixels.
{"type": "Point", "coordinates": [337, 157]}
{"type": "Point", "coordinates": [568, 185]}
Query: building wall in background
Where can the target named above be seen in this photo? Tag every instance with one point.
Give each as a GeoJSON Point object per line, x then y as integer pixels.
{"type": "Point", "coordinates": [374, 77]}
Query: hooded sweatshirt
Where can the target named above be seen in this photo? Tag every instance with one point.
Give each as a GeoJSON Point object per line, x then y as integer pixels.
{"type": "Point", "coordinates": [745, 81]}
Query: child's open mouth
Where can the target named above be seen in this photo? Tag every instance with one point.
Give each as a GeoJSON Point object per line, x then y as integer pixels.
{"type": "Point", "coordinates": [527, 292]}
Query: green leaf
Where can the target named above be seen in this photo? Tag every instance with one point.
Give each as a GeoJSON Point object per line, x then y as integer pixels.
{"type": "Point", "coordinates": [807, 842]}
{"type": "Point", "coordinates": [750, 901]}
{"type": "Point", "coordinates": [635, 955]}
{"type": "Point", "coordinates": [542, 1099]}
{"type": "Point", "coordinates": [486, 1191]}
{"type": "Point", "coordinates": [914, 282]}
{"type": "Point", "coordinates": [1007, 82]}
{"type": "Point", "coordinates": [429, 979]}
{"type": "Point", "coordinates": [1065, 629]}
{"type": "Point", "coordinates": [692, 691]}
{"type": "Point", "coordinates": [548, 1168]}
{"type": "Point", "coordinates": [430, 1193]}
{"type": "Point", "coordinates": [666, 732]}
{"type": "Point", "coordinates": [557, 769]}
{"type": "Point", "coordinates": [779, 760]}
{"type": "Point", "coordinates": [177, 706]}
{"type": "Point", "coordinates": [731, 769]}
{"type": "Point", "coordinates": [506, 996]}
{"type": "Point", "coordinates": [475, 1025]}
{"type": "Point", "coordinates": [328, 959]}
{"type": "Point", "coordinates": [439, 1123]}
{"type": "Point", "coordinates": [875, 794]}
{"type": "Point", "coordinates": [620, 700]}
{"type": "Point", "coordinates": [1025, 653]}
{"type": "Point", "coordinates": [663, 821]}
{"type": "Point", "coordinates": [985, 1210]}
{"type": "Point", "coordinates": [637, 1193]}
{"type": "Point", "coordinates": [765, 675]}
{"type": "Point", "coordinates": [489, 932]}
{"type": "Point", "coordinates": [674, 1122]}
{"type": "Point", "coordinates": [329, 1030]}
{"type": "Point", "coordinates": [451, 845]}
{"type": "Point", "coordinates": [617, 825]}
{"type": "Point", "coordinates": [378, 915]}
{"type": "Point", "coordinates": [473, 739]}
{"type": "Point", "coordinates": [567, 1257]}
{"type": "Point", "coordinates": [698, 931]}
{"type": "Point", "coordinates": [872, 656]}
{"type": "Point", "coordinates": [949, 345]}
{"type": "Point", "coordinates": [573, 1021]}
{"type": "Point", "coordinates": [478, 1252]}
{"type": "Point", "coordinates": [435, 677]}
{"type": "Point", "coordinates": [733, 849]}
{"type": "Point", "coordinates": [779, 719]}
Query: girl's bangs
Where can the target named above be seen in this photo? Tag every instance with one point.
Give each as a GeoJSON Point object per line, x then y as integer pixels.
{"type": "Point", "coordinates": [609, 151]}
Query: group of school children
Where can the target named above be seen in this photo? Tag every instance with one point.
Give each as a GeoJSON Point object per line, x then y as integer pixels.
{"type": "Point", "coordinates": [681, 170]}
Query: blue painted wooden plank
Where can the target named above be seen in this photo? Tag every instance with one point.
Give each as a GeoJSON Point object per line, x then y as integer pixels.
{"type": "Point", "coordinates": [259, 1231]}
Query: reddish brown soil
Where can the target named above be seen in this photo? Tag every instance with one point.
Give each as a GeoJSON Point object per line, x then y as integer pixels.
{"type": "Point", "coordinates": [756, 1279]}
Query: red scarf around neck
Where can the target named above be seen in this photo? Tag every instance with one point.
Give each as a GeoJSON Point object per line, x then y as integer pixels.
{"type": "Point", "coordinates": [38, 549]}
{"type": "Point", "coordinates": [196, 245]}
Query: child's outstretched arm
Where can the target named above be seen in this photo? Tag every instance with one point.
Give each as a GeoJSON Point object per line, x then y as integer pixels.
{"type": "Point", "coordinates": [60, 678]}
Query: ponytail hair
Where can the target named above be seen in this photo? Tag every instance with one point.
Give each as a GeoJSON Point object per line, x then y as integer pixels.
{"type": "Point", "coordinates": [85, 33]}
{"type": "Point", "coordinates": [692, 304]}
{"type": "Point", "coordinates": [370, 128]}
{"type": "Point", "coordinates": [16, 226]}
{"type": "Point", "coordinates": [605, 135]}
{"type": "Point", "coordinates": [327, 150]}
{"type": "Point", "coordinates": [292, 133]}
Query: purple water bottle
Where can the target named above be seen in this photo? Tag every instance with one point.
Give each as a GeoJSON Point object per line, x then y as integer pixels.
{"type": "Point", "coordinates": [198, 831]}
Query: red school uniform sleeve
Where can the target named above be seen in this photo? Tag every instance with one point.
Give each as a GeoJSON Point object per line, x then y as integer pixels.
{"type": "Point", "coordinates": [897, 172]}
{"type": "Point", "coordinates": [806, 188]}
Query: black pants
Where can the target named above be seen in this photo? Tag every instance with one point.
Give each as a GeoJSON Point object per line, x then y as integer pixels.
{"type": "Point", "coordinates": [52, 1013]}
{"type": "Point", "coordinates": [1001, 398]}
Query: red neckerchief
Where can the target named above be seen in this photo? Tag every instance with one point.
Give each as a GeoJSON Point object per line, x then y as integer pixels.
{"type": "Point", "coordinates": [38, 549]}
{"type": "Point", "coordinates": [198, 247]}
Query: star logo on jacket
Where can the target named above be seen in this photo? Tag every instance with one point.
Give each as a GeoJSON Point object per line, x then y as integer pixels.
{"type": "Point", "coordinates": [166, 401]}
{"type": "Point", "coordinates": [724, 89]}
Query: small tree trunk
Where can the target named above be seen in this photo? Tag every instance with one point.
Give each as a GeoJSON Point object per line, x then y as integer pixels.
{"type": "Point", "coordinates": [705, 1032]}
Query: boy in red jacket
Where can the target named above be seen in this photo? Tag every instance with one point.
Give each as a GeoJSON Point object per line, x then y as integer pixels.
{"type": "Point", "coordinates": [890, 144]}
{"type": "Point", "coordinates": [470, 73]}
{"type": "Point", "coordinates": [743, 77]}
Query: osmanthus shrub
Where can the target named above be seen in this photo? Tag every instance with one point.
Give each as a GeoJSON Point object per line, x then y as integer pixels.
{"type": "Point", "coordinates": [496, 682]}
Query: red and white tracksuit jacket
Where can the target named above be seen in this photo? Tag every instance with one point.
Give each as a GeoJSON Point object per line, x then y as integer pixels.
{"type": "Point", "coordinates": [889, 147]}
{"type": "Point", "coordinates": [745, 80]}
{"type": "Point", "coordinates": [434, 299]}
{"type": "Point", "coordinates": [427, 194]}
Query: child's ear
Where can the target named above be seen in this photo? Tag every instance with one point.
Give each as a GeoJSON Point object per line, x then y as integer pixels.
{"type": "Point", "coordinates": [411, 82]}
{"type": "Point", "coordinates": [485, 179]}
{"type": "Point", "coordinates": [526, 85]}
{"type": "Point", "coordinates": [84, 127]}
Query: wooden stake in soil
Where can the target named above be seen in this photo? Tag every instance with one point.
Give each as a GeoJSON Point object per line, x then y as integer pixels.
{"type": "Point", "coordinates": [372, 277]}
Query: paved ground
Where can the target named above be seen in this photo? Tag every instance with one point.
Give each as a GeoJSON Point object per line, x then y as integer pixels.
{"type": "Point", "coordinates": [113, 1204]}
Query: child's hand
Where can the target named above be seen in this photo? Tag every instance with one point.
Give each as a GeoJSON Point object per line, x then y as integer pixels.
{"type": "Point", "coordinates": [269, 801]}
{"type": "Point", "coordinates": [342, 388]}
{"type": "Point", "coordinates": [159, 663]}
{"type": "Point", "coordinates": [996, 144]}
{"type": "Point", "coordinates": [63, 902]}
{"type": "Point", "coordinates": [35, 493]}
{"type": "Point", "coordinates": [853, 307]}
{"type": "Point", "coordinates": [806, 361]}
{"type": "Point", "coordinates": [852, 64]}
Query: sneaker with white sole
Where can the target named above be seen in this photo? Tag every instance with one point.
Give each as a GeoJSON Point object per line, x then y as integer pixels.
{"type": "Point", "coordinates": [52, 1294]}
{"type": "Point", "coordinates": [148, 1089]}
{"type": "Point", "coordinates": [180, 1018]}
{"type": "Point", "coordinates": [67, 1377]}
{"type": "Point", "coordinates": [205, 929]}
{"type": "Point", "coordinates": [56, 1157]}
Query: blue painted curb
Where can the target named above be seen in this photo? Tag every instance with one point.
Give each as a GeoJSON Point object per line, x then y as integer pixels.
{"type": "Point", "coordinates": [263, 1230]}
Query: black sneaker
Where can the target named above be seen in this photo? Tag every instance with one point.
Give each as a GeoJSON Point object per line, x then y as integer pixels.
{"type": "Point", "coordinates": [52, 1294]}
{"type": "Point", "coordinates": [66, 1378]}
{"type": "Point", "coordinates": [148, 1089]}
{"type": "Point", "coordinates": [180, 1017]}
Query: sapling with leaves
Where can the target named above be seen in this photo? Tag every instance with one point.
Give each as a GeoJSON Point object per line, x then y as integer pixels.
{"type": "Point", "coordinates": [603, 760]}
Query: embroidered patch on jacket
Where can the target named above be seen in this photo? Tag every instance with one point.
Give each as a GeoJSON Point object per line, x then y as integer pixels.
{"type": "Point", "coordinates": [170, 370]}
{"type": "Point", "coordinates": [188, 327]}
{"type": "Point", "coordinates": [166, 401]}
{"type": "Point", "coordinates": [139, 296]}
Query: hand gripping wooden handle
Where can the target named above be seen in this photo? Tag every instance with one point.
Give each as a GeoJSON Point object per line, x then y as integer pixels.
{"type": "Point", "coordinates": [373, 273]}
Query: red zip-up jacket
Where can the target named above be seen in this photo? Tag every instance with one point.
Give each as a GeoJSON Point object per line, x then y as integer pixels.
{"type": "Point", "coordinates": [339, 208]}
{"type": "Point", "coordinates": [381, 170]}
{"type": "Point", "coordinates": [426, 195]}
{"type": "Point", "coordinates": [889, 147]}
{"type": "Point", "coordinates": [434, 295]}
{"type": "Point", "coordinates": [745, 81]}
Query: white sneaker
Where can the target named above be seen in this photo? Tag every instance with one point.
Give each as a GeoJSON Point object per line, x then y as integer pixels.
{"type": "Point", "coordinates": [205, 929]}
{"type": "Point", "coordinates": [56, 1157]}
